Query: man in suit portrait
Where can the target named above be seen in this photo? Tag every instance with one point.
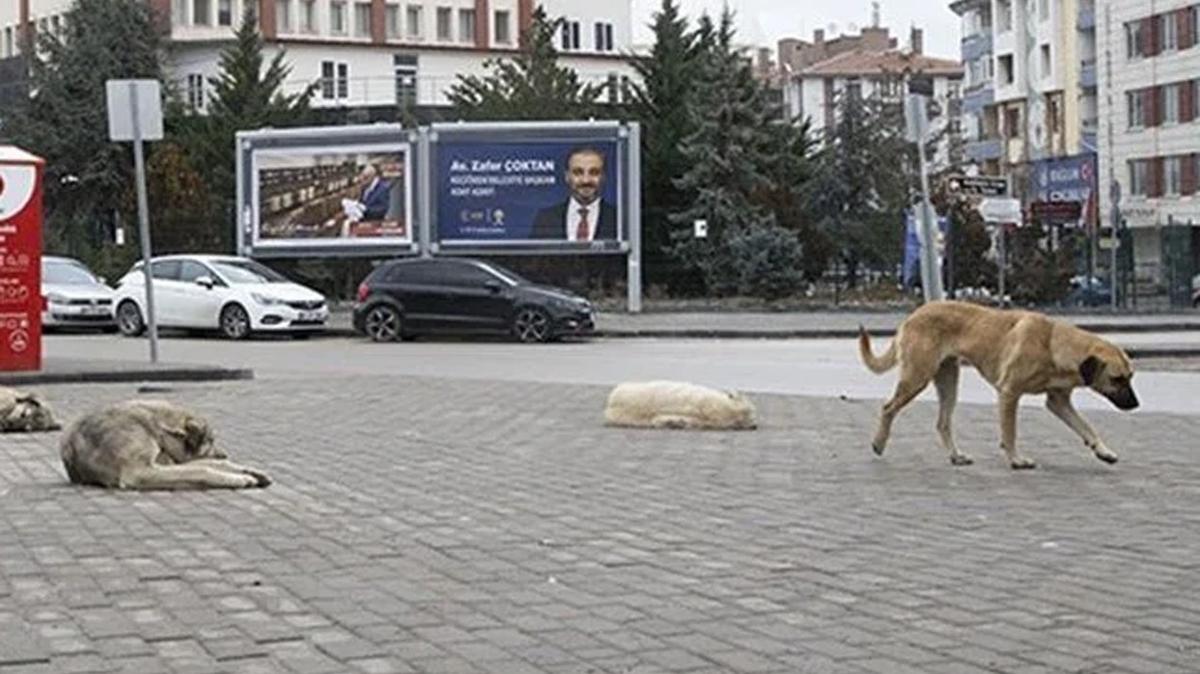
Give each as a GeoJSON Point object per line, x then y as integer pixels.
{"type": "Point", "coordinates": [375, 198]}
{"type": "Point", "coordinates": [584, 216]}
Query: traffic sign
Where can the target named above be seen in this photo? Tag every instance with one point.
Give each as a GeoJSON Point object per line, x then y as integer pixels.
{"type": "Point", "coordinates": [1001, 210]}
{"type": "Point", "coordinates": [980, 186]}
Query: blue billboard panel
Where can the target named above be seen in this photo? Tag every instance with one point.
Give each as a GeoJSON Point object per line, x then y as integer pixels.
{"type": "Point", "coordinates": [527, 191]}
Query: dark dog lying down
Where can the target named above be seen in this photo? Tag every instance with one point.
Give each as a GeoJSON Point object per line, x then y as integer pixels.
{"type": "Point", "coordinates": [150, 444]}
{"type": "Point", "coordinates": [22, 412]}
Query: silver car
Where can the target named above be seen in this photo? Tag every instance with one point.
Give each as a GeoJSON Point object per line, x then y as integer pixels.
{"type": "Point", "coordinates": [74, 297]}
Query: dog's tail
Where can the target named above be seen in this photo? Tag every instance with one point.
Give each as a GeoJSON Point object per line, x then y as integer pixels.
{"type": "Point", "coordinates": [876, 364]}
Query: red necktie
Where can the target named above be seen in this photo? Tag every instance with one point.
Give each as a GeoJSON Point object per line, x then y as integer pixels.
{"type": "Point", "coordinates": [583, 230]}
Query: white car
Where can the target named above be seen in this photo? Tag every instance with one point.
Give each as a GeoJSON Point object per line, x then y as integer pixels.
{"type": "Point", "coordinates": [234, 295]}
{"type": "Point", "coordinates": [74, 297]}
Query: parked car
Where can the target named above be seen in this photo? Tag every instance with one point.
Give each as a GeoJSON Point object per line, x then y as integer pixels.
{"type": "Point", "coordinates": [404, 298]}
{"type": "Point", "coordinates": [234, 295]}
{"type": "Point", "coordinates": [1098, 294]}
{"type": "Point", "coordinates": [74, 297]}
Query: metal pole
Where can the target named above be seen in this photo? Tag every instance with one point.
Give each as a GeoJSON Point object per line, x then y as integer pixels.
{"type": "Point", "coordinates": [1003, 260]}
{"type": "Point", "coordinates": [932, 277]}
{"type": "Point", "coordinates": [634, 218]}
{"type": "Point", "coordinates": [143, 222]}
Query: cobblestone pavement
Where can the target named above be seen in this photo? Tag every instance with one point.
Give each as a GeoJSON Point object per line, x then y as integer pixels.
{"type": "Point", "coordinates": [425, 525]}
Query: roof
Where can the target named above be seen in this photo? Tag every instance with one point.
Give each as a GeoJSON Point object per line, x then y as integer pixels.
{"type": "Point", "coordinates": [860, 62]}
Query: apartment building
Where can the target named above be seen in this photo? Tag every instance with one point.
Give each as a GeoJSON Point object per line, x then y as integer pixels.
{"type": "Point", "coordinates": [1150, 129]}
{"type": "Point", "coordinates": [368, 54]}
{"type": "Point", "coordinates": [867, 65]}
{"type": "Point", "coordinates": [1030, 103]}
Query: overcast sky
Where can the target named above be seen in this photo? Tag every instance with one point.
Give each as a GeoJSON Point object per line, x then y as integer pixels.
{"type": "Point", "coordinates": [763, 22]}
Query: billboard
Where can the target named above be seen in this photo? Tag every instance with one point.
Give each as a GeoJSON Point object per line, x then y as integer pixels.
{"type": "Point", "coordinates": [346, 195]}
{"type": "Point", "coordinates": [528, 191]}
{"type": "Point", "coordinates": [20, 260]}
{"type": "Point", "coordinates": [1066, 180]}
{"type": "Point", "coordinates": [912, 246]}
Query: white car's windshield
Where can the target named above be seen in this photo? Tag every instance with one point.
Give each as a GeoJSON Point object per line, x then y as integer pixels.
{"type": "Point", "coordinates": [237, 272]}
{"type": "Point", "coordinates": [67, 274]}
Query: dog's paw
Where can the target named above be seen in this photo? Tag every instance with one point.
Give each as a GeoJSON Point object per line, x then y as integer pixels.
{"type": "Point", "coordinates": [1106, 456]}
{"type": "Point", "coordinates": [877, 448]}
{"type": "Point", "coordinates": [1023, 463]}
{"type": "Point", "coordinates": [260, 479]}
{"type": "Point", "coordinates": [961, 460]}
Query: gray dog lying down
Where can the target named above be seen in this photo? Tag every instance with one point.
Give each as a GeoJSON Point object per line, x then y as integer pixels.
{"type": "Point", "coordinates": [22, 412]}
{"type": "Point", "coordinates": [150, 444]}
{"type": "Point", "coordinates": [673, 404]}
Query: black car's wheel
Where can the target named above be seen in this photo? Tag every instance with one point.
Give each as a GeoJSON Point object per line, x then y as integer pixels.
{"type": "Point", "coordinates": [382, 323]}
{"type": "Point", "coordinates": [129, 319]}
{"type": "Point", "coordinates": [532, 325]}
{"type": "Point", "coordinates": [235, 322]}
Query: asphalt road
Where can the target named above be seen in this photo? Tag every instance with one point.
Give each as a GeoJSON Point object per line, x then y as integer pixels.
{"type": "Point", "coordinates": [823, 368]}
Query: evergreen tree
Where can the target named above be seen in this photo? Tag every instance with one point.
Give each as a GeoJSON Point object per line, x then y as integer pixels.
{"type": "Point", "coordinates": [864, 181]}
{"type": "Point", "coordinates": [661, 102]}
{"type": "Point", "coordinates": [727, 155]}
{"type": "Point", "coordinates": [532, 85]}
{"type": "Point", "coordinates": [65, 119]}
{"type": "Point", "coordinates": [795, 147]}
{"type": "Point", "coordinates": [244, 96]}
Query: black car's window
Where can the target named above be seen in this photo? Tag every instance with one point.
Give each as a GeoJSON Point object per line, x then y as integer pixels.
{"type": "Point", "coordinates": [167, 270]}
{"type": "Point", "coordinates": [464, 275]}
{"type": "Point", "coordinates": [191, 270]}
{"type": "Point", "coordinates": [412, 272]}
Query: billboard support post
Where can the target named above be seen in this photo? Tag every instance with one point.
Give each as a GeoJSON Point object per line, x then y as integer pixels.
{"type": "Point", "coordinates": [634, 284]}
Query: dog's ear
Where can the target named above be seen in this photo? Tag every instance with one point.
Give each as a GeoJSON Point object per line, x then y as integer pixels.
{"type": "Point", "coordinates": [31, 398]}
{"type": "Point", "coordinates": [1090, 368]}
{"type": "Point", "coordinates": [195, 432]}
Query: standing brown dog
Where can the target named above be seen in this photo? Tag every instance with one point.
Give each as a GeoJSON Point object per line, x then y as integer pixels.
{"type": "Point", "coordinates": [1018, 352]}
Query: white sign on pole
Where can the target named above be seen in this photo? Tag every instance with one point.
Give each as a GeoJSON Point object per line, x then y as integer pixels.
{"type": "Point", "coordinates": [120, 112]}
{"type": "Point", "coordinates": [1001, 210]}
{"type": "Point", "coordinates": [701, 229]}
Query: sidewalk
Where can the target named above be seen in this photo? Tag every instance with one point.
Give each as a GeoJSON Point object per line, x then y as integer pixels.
{"type": "Point", "coordinates": [88, 371]}
{"type": "Point", "coordinates": [810, 325]}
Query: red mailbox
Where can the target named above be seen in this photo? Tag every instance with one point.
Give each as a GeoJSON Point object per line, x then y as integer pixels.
{"type": "Point", "coordinates": [20, 259]}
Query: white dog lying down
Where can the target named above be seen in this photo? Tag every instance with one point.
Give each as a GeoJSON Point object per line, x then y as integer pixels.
{"type": "Point", "coordinates": [672, 404]}
{"type": "Point", "coordinates": [22, 412]}
{"type": "Point", "coordinates": [150, 444]}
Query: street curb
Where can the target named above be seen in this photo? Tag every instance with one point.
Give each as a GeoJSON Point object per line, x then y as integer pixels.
{"type": "Point", "coordinates": [168, 374]}
{"type": "Point", "coordinates": [814, 333]}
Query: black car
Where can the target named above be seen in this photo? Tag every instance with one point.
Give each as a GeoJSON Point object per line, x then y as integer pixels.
{"type": "Point", "coordinates": [403, 298]}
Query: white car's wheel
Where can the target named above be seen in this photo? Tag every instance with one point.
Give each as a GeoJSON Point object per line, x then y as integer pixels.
{"type": "Point", "coordinates": [235, 322]}
{"type": "Point", "coordinates": [129, 319]}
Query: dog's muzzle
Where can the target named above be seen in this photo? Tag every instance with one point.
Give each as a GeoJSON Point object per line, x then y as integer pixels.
{"type": "Point", "coordinates": [1126, 399]}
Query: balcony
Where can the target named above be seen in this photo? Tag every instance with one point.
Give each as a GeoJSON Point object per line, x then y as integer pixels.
{"type": "Point", "coordinates": [975, 46]}
{"type": "Point", "coordinates": [977, 98]}
{"type": "Point", "coordinates": [1087, 74]}
{"type": "Point", "coordinates": [1087, 15]}
{"type": "Point", "coordinates": [984, 149]}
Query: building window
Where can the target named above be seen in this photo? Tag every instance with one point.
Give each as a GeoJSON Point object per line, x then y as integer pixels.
{"type": "Point", "coordinates": [1052, 120]}
{"type": "Point", "coordinates": [405, 66]}
{"type": "Point", "coordinates": [503, 27]}
{"type": "Point", "coordinates": [224, 12]}
{"type": "Point", "coordinates": [1137, 109]}
{"type": "Point", "coordinates": [201, 13]}
{"type": "Point", "coordinates": [308, 16]}
{"type": "Point", "coordinates": [1133, 40]}
{"type": "Point", "coordinates": [283, 16]}
{"type": "Point", "coordinates": [1172, 176]}
{"type": "Point", "coordinates": [1007, 76]}
{"type": "Point", "coordinates": [335, 80]}
{"type": "Point", "coordinates": [414, 19]}
{"type": "Point", "coordinates": [1170, 104]}
{"type": "Point", "coordinates": [392, 21]}
{"type": "Point", "coordinates": [570, 35]}
{"type": "Point", "coordinates": [1138, 171]}
{"type": "Point", "coordinates": [337, 17]}
{"type": "Point", "coordinates": [1012, 123]}
{"type": "Point", "coordinates": [1004, 19]}
{"type": "Point", "coordinates": [1047, 64]}
{"type": "Point", "coordinates": [445, 16]}
{"type": "Point", "coordinates": [1169, 32]}
{"type": "Point", "coordinates": [195, 92]}
{"type": "Point", "coordinates": [362, 19]}
{"type": "Point", "coordinates": [466, 25]}
{"type": "Point", "coordinates": [56, 25]}
{"type": "Point", "coordinates": [179, 12]}
{"type": "Point", "coordinates": [604, 37]}
{"type": "Point", "coordinates": [1043, 10]}
{"type": "Point", "coordinates": [8, 42]}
